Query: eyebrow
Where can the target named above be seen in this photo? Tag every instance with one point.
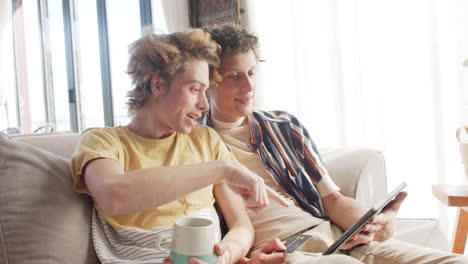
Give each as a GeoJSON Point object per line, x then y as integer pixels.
{"type": "Point", "coordinates": [196, 81]}
{"type": "Point", "coordinates": [237, 69]}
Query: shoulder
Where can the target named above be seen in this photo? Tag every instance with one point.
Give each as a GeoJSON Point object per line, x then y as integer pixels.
{"type": "Point", "coordinates": [276, 116]}
{"type": "Point", "coordinates": [100, 134]}
{"type": "Point", "coordinates": [100, 131]}
{"type": "Point", "coordinates": [204, 132]}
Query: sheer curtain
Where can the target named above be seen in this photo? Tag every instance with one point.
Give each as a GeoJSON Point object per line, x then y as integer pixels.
{"type": "Point", "coordinates": [170, 15]}
{"type": "Point", "coordinates": [6, 66]}
{"type": "Point", "coordinates": [378, 74]}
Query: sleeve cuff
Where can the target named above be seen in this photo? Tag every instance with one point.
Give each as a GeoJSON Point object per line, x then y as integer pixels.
{"type": "Point", "coordinates": [326, 186]}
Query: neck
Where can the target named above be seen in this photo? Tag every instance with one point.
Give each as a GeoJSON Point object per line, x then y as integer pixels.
{"type": "Point", "coordinates": [147, 124]}
{"type": "Point", "coordinates": [226, 118]}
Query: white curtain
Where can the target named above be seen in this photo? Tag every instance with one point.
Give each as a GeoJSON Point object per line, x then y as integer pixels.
{"type": "Point", "coordinates": [6, 66]}
{"type": "Point", "coordinates": [378, 74]}
{"type": "Point", "coordinates": [170, 15]}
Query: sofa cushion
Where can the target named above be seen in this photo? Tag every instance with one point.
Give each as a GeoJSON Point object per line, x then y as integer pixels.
{"type": "Point", "coordinates": [41, 219]}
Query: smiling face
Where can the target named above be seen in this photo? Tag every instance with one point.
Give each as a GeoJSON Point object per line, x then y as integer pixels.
{"type": "Point", "coordinates": [232, 99]}
{"type": "Point", "coordinates": [181, 102]}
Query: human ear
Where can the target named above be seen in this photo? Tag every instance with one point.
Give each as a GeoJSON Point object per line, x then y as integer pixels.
{"type": "Point", "coordinates": [156, 84]}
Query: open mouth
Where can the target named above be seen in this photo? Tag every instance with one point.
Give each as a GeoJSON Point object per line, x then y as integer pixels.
{"type": "Point", "coordinates": [244, 100]}
{"type": "Point", "coordinates": [193, 116]}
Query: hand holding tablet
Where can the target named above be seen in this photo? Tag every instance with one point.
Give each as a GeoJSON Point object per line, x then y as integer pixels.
{"type": "Point", "coordinates": [297, 240]}
{"type": "Point", "coordinates": [375, 210]}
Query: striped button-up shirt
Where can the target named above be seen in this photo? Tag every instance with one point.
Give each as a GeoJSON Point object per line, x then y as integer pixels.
{"type": "Point", "coordinates": [288, 154]}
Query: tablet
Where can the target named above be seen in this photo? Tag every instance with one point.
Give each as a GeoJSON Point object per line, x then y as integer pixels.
{"type": "Point", "coordinates": [376, 209]}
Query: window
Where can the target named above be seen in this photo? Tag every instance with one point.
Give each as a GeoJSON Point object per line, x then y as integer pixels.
{"type": "Point", "coordinates": [57, 88]}
{"type": "Point", "coordinates": [88, 64]}
{"type": "Point", "coordinates": [122, 32]}
{"type": "Point", "coordinates": [31, 85]}
{"type": "Point", "coordinates": [70, 59]}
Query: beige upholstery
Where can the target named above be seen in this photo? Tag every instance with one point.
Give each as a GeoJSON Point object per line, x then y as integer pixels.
{"type": "Point", "coordinates": [38, 206]}
{"type": "Point", "coordinates": [360, 173]}
{"type": "Point", "coordinates": [41, 219]}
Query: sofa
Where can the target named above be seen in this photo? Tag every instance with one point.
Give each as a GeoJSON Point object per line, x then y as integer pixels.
{"type": "Point", "coordinates": [43, 221]}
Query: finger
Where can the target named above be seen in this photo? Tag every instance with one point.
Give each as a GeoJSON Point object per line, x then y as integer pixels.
{"type": "Point", "coordinates": [167, 261]}
{"type": "Point", "coordinates": [244, 194]}
{"type": "Point", "coordinates": [378, 219]}
{"type": "Point", "coordinates": [219, 248]}
{"type": "Point", "coordinates": [258, 190]}
{"type": "Point", "coordinates": [372, 228]}
{"type": "Point", "coordinates": [195, 261]}
{"type": "Point", "coordinates": [349, 245]}
{"type": "Point", "coordinates": [275, 196]}
{"type": "Point", "coordinates": [363, 237]}
{"type": "Point", "coordinates": [358, 239]}
{"type": "Point", "coordinates": [276, 258]}
{"type": "Point", "coordinates": [244, 260]}
{"type": "Point", "coordinates": [398, 201]}
{"type": "Point", "coordinates": [273, 245]}
{"type": "Point", "coordinates": [395, 204]}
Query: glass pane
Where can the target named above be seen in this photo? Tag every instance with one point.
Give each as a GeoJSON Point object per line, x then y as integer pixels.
{"type": "Point", "coordinates": [34, 84]}
{"type": "Point", "coordinates": [122, 32]}
{"type": "Point", "coordinates": [58, 61]}
{"type": "Point", "coordinates": [88, 63]}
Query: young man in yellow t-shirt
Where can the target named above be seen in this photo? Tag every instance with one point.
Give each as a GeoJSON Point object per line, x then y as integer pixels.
{"type": "Point", "coordinates": [161, 167]}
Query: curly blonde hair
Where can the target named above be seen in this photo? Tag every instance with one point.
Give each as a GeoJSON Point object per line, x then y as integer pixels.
{"type": "Point", "coordinates": [165, 55]}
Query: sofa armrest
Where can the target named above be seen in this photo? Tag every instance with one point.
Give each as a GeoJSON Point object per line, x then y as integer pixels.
{"type": "Point", "coordinates": [359, 172]}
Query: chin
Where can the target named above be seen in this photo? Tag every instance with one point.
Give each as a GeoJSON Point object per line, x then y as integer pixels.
{"type": "Point", "coordinates": [186, 130]}
{"type": "Point", "coordinates": [246, 111]}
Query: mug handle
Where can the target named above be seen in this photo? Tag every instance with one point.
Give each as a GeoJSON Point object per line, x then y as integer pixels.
{"type": "Point", "coordinates": [158, 241]}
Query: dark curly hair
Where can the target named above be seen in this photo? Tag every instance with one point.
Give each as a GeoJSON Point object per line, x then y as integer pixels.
{"type": "Point", "coordinates": [233, 39]}
{"type": "Point", "coordinates": [165, 55]}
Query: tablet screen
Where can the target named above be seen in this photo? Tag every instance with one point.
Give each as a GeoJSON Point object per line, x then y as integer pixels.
{"type": "Point", "coordinates": [376, 209]}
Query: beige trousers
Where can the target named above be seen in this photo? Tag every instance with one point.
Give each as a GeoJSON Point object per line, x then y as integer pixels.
{"type": "Point", "coordinates": [388, 252]}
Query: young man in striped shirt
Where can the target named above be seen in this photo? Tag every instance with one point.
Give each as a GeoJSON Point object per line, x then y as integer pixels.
{"type": "Point", "coordinates": [277, 147]}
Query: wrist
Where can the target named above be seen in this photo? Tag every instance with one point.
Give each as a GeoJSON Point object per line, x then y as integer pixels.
{"type": "Point", "coordinates": [232, 252]}
{"type": "Point", "coordinates": [222, 170]}
{"type": "Point", "coordinates": [228, 170]}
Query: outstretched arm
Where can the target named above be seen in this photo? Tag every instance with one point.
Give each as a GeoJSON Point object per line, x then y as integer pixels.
{"type": "Point", "coordinates": [118, 192]}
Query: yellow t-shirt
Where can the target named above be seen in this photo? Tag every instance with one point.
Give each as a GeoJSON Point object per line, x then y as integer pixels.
{"type": "Point", "coordinates": [134, 152]}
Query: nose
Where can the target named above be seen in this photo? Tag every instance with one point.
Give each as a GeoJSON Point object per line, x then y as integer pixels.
{"type": "Point", "coordinates": [248, 84]}
{"type": "Point", "coordinates": [202, 103]}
